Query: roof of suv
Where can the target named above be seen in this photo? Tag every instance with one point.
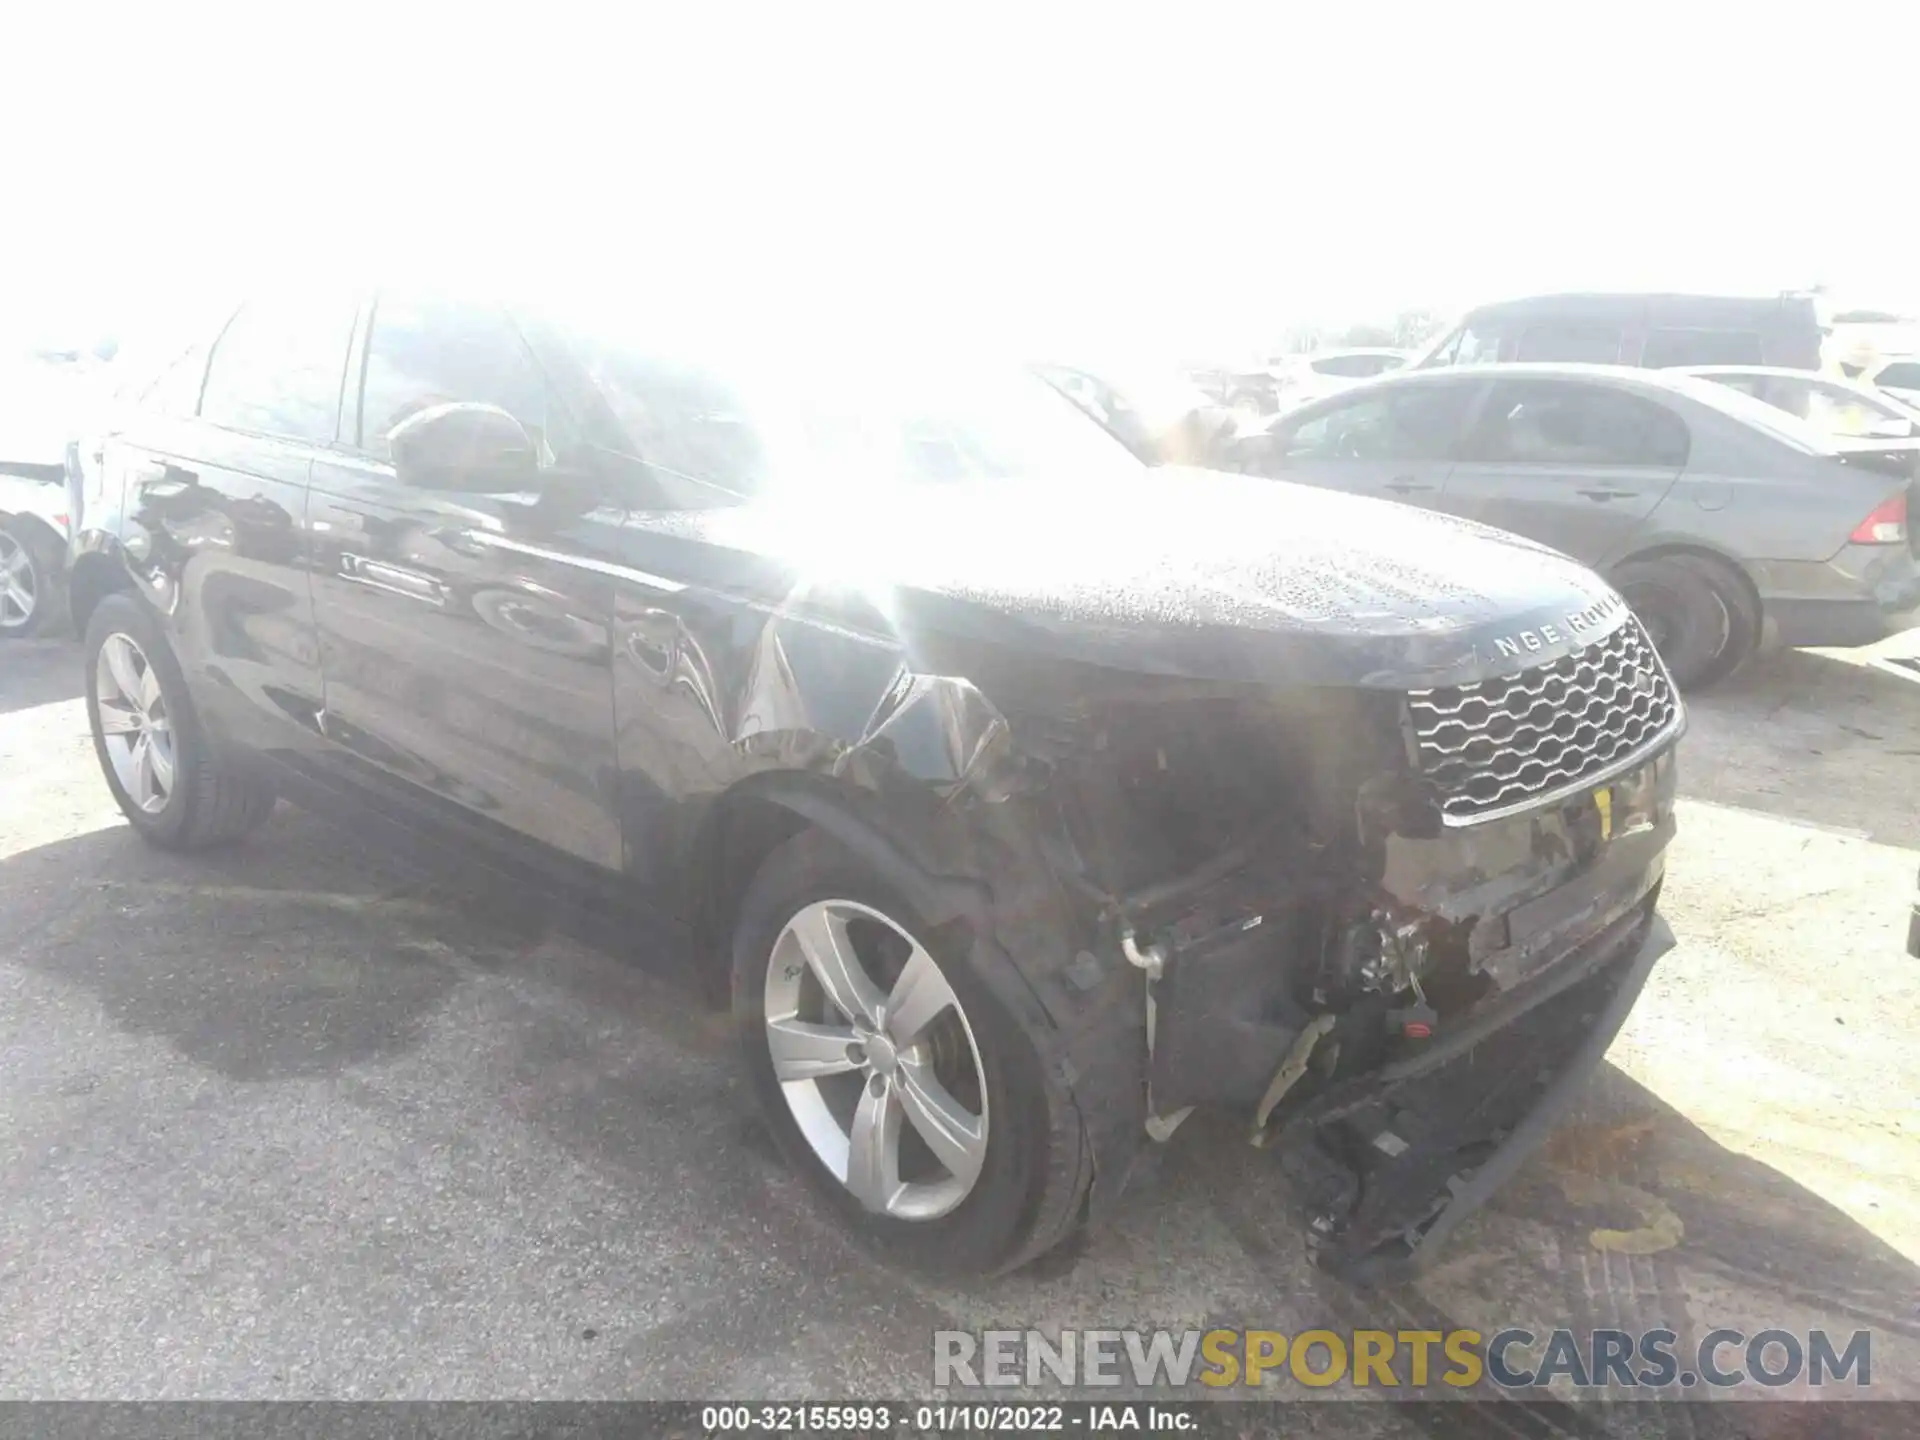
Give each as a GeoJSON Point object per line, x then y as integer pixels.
{"type": "Point", "coordinates": [1605, 299]}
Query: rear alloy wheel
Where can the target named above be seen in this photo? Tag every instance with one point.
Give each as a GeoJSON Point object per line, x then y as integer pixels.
{"type": "Point", "coordinates": [32, 601]}
{"type": "Point", "coordinates": [172, 783]}
{"type": "Point", "coordinates": [135, 729]}
{"type": "Point", "coordinates": [899, 1065]}
{"type": "Point", "coordinates": [1697, 615]}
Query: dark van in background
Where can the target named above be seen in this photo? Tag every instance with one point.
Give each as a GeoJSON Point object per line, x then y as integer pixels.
{"type": "Point", "coordinates": [1650, 331]}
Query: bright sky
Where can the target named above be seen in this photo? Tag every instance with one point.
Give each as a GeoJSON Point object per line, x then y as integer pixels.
{"type": "Point", "coordinates": [1194, 179]}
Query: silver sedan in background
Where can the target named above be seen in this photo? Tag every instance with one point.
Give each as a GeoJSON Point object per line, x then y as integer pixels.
{"type": "Point", "coordinates": [1727, 523]}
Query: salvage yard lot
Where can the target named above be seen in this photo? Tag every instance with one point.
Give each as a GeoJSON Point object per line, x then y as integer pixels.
{"type": "Point", "coordinates": [301, 1121]}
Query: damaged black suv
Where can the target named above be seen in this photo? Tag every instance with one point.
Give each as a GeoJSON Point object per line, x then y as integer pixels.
{"type": "Point", "coordinates": [1023, 800]}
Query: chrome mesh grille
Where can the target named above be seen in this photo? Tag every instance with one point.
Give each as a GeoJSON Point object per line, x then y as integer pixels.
{"type": "Point", "coordinates": [1502, 742]}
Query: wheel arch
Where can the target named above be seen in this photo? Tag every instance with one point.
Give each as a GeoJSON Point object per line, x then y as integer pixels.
{"type": "Point", "coordinates": [749, 820]}
{"type": "Point", "coordinates": [27, 517]}
{"type": "Point", "coordinates": [94, 575]}
{"type": "Point", "coordinates": [1092, 1053]}
{"type": "Point", "coordinates": [1719, 558]}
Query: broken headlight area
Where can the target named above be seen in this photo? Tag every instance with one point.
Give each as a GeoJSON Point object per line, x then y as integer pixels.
{"type": "Point", "coordinates": [1308, 923]}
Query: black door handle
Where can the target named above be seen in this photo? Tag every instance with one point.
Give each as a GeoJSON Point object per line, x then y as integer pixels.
{"type": "Point", "coordinates": [1609, 494]}
{"type": "Point", "coordinates": [1404, 486]}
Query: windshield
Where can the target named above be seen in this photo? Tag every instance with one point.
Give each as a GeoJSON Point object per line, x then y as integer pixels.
{"type": "Point", "coordinates": [804, 425]}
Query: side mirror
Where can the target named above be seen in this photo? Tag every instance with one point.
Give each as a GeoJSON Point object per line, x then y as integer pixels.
{"type": "Point", "coordinates": [463, 445]}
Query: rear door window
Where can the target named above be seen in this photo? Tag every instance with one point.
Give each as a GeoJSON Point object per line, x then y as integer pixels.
{"type": "Point", "coordinates": [1544, 423]}
{"type": "Point", "coordinates": [1420, 422]}
{"type": "Point", "coordinates": [277, 369]}
{"type": "Point", "coordinates": [1702, 347]}
{"type": "Point", "coordinates": [1575, 344]}
{"type": "Point", "coordinates": [1902, 375]}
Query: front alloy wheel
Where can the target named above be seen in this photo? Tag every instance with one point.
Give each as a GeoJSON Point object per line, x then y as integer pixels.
{"type": "Point", "coordinates": [135, 728]}
{"type": "Point", "coordinates": [876, 1060]}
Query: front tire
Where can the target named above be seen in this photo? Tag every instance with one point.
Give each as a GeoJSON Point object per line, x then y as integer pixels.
{"type": "Point", "coordinates": [166, 774]}
{"type": "Point", "coordinates": [894, 1078]}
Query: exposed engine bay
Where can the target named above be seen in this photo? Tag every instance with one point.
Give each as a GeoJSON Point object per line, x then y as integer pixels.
{"type": "Point", "coordinates": [1322, 946]}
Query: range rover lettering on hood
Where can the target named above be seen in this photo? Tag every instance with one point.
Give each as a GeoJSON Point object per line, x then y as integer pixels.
{"type": "Point", "coordinates": [1579, 624]}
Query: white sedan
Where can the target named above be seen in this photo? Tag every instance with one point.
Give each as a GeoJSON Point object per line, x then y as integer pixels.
{"type": "Point", "coordinates": [1898, 375]}
{"type": "Point", "coordinates": [1848, 408]}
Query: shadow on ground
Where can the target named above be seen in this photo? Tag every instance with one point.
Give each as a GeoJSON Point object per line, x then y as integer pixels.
{"type": "Point", "coordinates": [38, 672]}
{"type": "Point", "coordinates": [300, 957]}
{"type": "Point", "coordinates": [297, 954]}
{"type": "Point", "coordinates": [1814, 738]}
{"type": "Point", "coordinates": [1631, 1217]}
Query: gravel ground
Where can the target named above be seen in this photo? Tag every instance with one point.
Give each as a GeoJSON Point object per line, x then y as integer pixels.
{"type": "Point", "coordinates": [302, 1122]}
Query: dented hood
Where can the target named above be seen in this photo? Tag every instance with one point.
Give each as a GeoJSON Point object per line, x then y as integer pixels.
{"type": "Point", "coordinates": [1190, 573]}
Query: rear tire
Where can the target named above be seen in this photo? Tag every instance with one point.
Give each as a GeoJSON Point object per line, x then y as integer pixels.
{"type": "Point", "coordinates": [1025, 1189]}
{"type": "Point", "coordinates": [198, 798]}
{"type": "Point", "coordinates": [1698, 613]}
{"type": "Point", "coordinates": [33, 591]}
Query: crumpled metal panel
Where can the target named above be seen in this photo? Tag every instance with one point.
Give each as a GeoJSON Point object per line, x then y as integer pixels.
{"type": "Point", "coordinates": [710, 690]}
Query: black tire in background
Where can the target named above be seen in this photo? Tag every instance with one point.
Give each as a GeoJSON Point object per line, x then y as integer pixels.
{"type": "Point", "coordinates": [1697, 612]}
{"type": "Point", "coordinates": [214, 801]}
{"type": "Point", "coordinates": [1028, 1195]}
{"type": "Point", "coordinates": [43, 552]}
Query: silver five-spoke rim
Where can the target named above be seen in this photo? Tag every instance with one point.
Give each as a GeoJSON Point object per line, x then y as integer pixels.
{"type": "Point", "coordinates": [18, 584]}
{"type": "Point", "coordinates": [134, 723]}
{"type": "Point", "coordinates": [876, 1059]}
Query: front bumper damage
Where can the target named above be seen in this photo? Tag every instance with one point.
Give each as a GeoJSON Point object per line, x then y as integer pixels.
{"type": "Point", "coordinates": [1396, 1107]}
{"type": "Point", "coordinates": [1266, 902]}
{"type": "Point", "coordinates": [1380, 1222]}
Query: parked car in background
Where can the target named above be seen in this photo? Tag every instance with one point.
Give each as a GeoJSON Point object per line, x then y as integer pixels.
{"type": "Point", "coordinates": [1285, 380]}
{"type": "Point", "coordinates": [1356, 363]}
{"type": "Point", "coordinates": [1300, 378]}
{"type": "Point", "coordinates": [34, 521]}
{"type": "Point", "coordinates": [1727, 524]}
{"type": "Point", "coordinates": [1898, 375]}
{"type": "Point", "coordinates": [156, 374]}
{"type": "Point", "coordinates": [1653, 331]}
{"type": "Point", "coordinates": [1834, 406]}
{"type": "Point", "coordinates": [1247, 388]}
{"type": "Point", "coordinates": [1160, 416]}
{"type": "Point", "coordinates": [46, 384]}
{"type": "Point", "coordinates": [943, 738]}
